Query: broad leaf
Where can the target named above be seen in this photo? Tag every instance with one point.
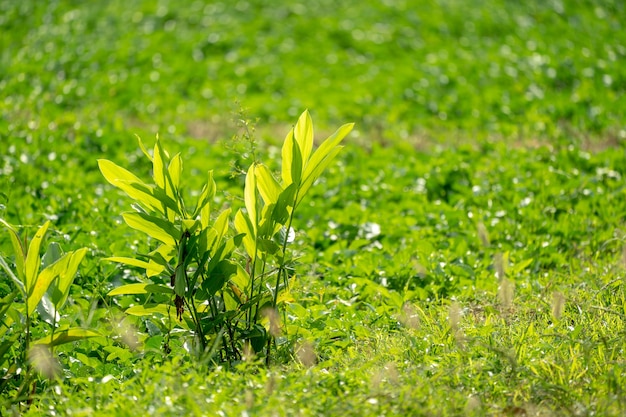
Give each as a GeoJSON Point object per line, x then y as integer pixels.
{"type": "Point", "coordinates": [268, 187]}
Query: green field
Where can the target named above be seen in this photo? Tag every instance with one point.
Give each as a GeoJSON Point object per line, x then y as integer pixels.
{"type": "Point", "coordinates": [464, 254]}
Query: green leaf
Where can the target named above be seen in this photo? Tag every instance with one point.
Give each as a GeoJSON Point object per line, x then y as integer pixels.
{"type": "Point", "coordinates": [315, 173]}
{"type": "Point", "coordinates": [140, 289]}
{"type": "Point", "coordinates": [67, 336]}
{"type": "Point", "coordinates": [303, 133]}
{"type": "Point", "coordinates": [150, 309]}
{"type": "Point", "coordinates": [154, 227]}
{"type": "Point", "coordinates": [33, 260]}
{"type": "Point", "coordinates": [159, 161]}
{"type": "Point", "coordinates": [250, 196]}
{"type": "Point", "coordinates": [268, 187]}
{"type": "Point", "coordinates": [220, 273]}
{"type": "Point", "coordinates": [325, 148]}
{"type": "Point", "coordinates": [243, 225]}
{"type": "Point", "coordinates": [130, 184]}
{"type": "Point", "coordinates": [18, 249]}
{"type": "Point", "coordinates": [16, 280]}
{"type": "Point", "coordinates": [296, 162]}
{"type": "Point", "coordinates": [129, 261]}
{"type": "Point", "coordinates": [208, 192]}
{"type": "Point", "coordinates": [43, 281]}
{"type": "Point", "coordinates": [52, 254]}
{"type": "Point", "coordinates": [61, 287]}
{"type": "Point", "coordinates": [175, 170]}
{"type": "Point", "coordinates": [287, 157]}
{"type": "Point", "coordinates": [221, 224]}
{"type": "Point", "coordinates": [143, 148]}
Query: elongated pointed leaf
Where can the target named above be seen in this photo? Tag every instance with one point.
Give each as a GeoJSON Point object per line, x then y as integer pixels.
{"type": "Point", "coordinates": [130, 184]}
{"type": "Point", "coordinates": [303, 133]}
{"type": "Point", "coordinates": [18, 250]}
{"type": "Point", "coordinates": [43, 281]}
{"type": "Point", "coordinates": [220, 273]}
{"type": "Point", "coordinates": [150, 309]}
{"type": "Point", "coordinates": [243, 225]}
{"type": "Point", "coordinates": [208, 192]}
{"type": "Point", "coordinates": [250, 196]}
{"type": "Point", "coordinates": [143, 148]}
{"type": "Point", "coordinates": [287, 157]}
{"type": "Point", "coordinates": [155, 227]}
{"type": "Point", "coordinates": [33, 260]}
{"type": "Point", "coordinates": [159, 163]}
{"type": "Point", "coordinates": [175, 170]}
{"type": "Point", "coordinates": [297, 163]}
{"type": "Point", "coordinates": [129, 261]}
{"type": "Point", "coordinates": [14, 278]}
{"type": "Point", "coordinates": [314, 174]}
{"type": "Point", "coordinates": [61, 287]}
{"type": "Point", "coordinates": [140, 289]}
{"type": "Point", "coordinates": [268, 187]}
{"type": "Point", "coordinates": [326, 147]}
{"type": "Point", "coordinates": [67, 336]}
{"type": "Point", "coordinates": [221, 224]}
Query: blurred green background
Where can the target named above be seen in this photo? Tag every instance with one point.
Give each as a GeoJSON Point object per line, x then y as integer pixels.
{"type": "Point", "coordinates": [398, 68]}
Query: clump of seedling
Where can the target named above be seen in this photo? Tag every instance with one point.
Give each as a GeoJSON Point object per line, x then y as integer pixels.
{"type": "Point", "coordinates": [195, 277]}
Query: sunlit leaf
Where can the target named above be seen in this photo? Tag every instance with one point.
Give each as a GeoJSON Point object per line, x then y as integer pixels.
{"type": "Point", "coordinates": [250, 196]}
{"type": "Point", "coordinates": [140, 289]}
{"type": "Point", "coordinates": [61, 287]}
{"type": "Point", "coordinates": [18, 250]}
{"type": "Point", "coordinates": [268, 187]}
{"type": "Point", "coordinates": [155, 227]}
{"type": "Point", "coordinates": [303, 133]}
{"type": "Point", "coordinates": [33, 260]}
{"type": "Point", "coordinates": [130, 184]}
{"type": "Point", "coordinates": [67, 336]}
{"type": "Point", "coordinates": [243, 225]}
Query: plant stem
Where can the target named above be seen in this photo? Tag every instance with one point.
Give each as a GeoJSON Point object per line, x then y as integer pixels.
{"type": "Point", "coordinates": [282, 269]}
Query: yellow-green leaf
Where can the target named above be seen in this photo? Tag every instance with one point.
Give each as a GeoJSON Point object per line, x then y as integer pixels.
{"type": "Point", "coordinates": [18, 250]}
{"type": "Point", "coordinates": [140, 289]}
{"type": "Point", "coordinates": [155, 227]}
{"type": "Point", "coordinates": [268, 187]}
{"type": "Point", "coordinates": [287, 156]}
{"type": "Point", "coordinates": [303, 133]}
{"type": "Point", "coordinates": [33, 260]}
{"type": "Point", "coordinates": [250, 196]}
{"type": "Point", "coordinates": [175, 170]}
{"type": "Point", "coordinates": [243, 225]}
{"type": "Point", "coordinates": [66, 277]}
{"type": "Point", "coordinates": [67, 336]}
{"type": "Point", "coordinates": [131, 185]}
{"type": "Point", "coordinates": [326, 147]}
